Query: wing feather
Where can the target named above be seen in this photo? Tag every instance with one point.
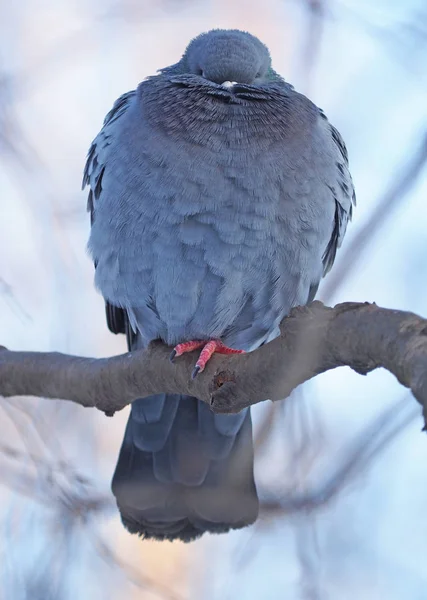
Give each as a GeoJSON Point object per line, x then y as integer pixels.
{"type": "Point", "coordinates": [343, 194]}
{"type": "Point", "coordinates": [95, 166]}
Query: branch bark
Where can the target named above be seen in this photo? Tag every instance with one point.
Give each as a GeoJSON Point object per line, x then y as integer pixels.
{"type": "Point", "coordinates": [313, 339]}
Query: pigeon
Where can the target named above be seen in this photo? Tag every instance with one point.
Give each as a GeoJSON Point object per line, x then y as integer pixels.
{"type": "Point", "coordinates": [218, 198]}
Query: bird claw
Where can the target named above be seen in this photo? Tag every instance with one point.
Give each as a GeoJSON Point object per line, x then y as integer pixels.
{"type": "Point", "coordinates": [209, 348]}
{"type": "Point", "coordinates": [196, 371]}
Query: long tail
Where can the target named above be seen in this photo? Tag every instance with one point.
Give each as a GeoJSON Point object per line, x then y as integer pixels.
{"type": "Point", "coordinates": [182, 470]}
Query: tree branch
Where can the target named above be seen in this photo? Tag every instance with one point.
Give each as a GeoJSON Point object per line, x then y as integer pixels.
{"type": "Point", "coordinates": [313, 339]}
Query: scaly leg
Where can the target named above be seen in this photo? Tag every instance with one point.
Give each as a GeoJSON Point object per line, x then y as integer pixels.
{"type": "Point", "coordinates": [208, 349]}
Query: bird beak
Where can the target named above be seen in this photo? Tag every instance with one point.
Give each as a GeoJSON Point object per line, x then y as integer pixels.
{"type": "Point", "coordinates": [228, 84]}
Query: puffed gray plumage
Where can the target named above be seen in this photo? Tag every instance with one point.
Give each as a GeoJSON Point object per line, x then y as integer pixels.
{"type": "Point", "coordinates": [219, 196]}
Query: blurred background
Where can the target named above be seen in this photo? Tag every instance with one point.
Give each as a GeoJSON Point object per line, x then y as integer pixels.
{"type": "Point", "coordinates": [340, 465]}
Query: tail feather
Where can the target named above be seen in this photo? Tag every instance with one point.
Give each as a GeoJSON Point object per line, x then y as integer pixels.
{"type": "Point", "coordinates": [152, 421]}
{"type": "Point", "coordinates": [182, 470]}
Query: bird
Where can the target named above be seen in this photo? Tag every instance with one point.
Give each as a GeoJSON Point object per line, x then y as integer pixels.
{"type": "Point", "coordinates": [218, 197]}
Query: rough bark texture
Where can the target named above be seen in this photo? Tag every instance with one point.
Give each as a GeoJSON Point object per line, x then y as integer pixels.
{"type": "Point", "coordinates": [313, 339]}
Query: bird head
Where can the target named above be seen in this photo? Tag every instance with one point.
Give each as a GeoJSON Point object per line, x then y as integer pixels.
{"type": "Point", "coordinates": [226, 57]}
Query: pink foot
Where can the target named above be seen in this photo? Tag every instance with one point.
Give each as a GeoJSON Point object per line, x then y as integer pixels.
{"type": "Point", "coordinates": [209, 348]}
